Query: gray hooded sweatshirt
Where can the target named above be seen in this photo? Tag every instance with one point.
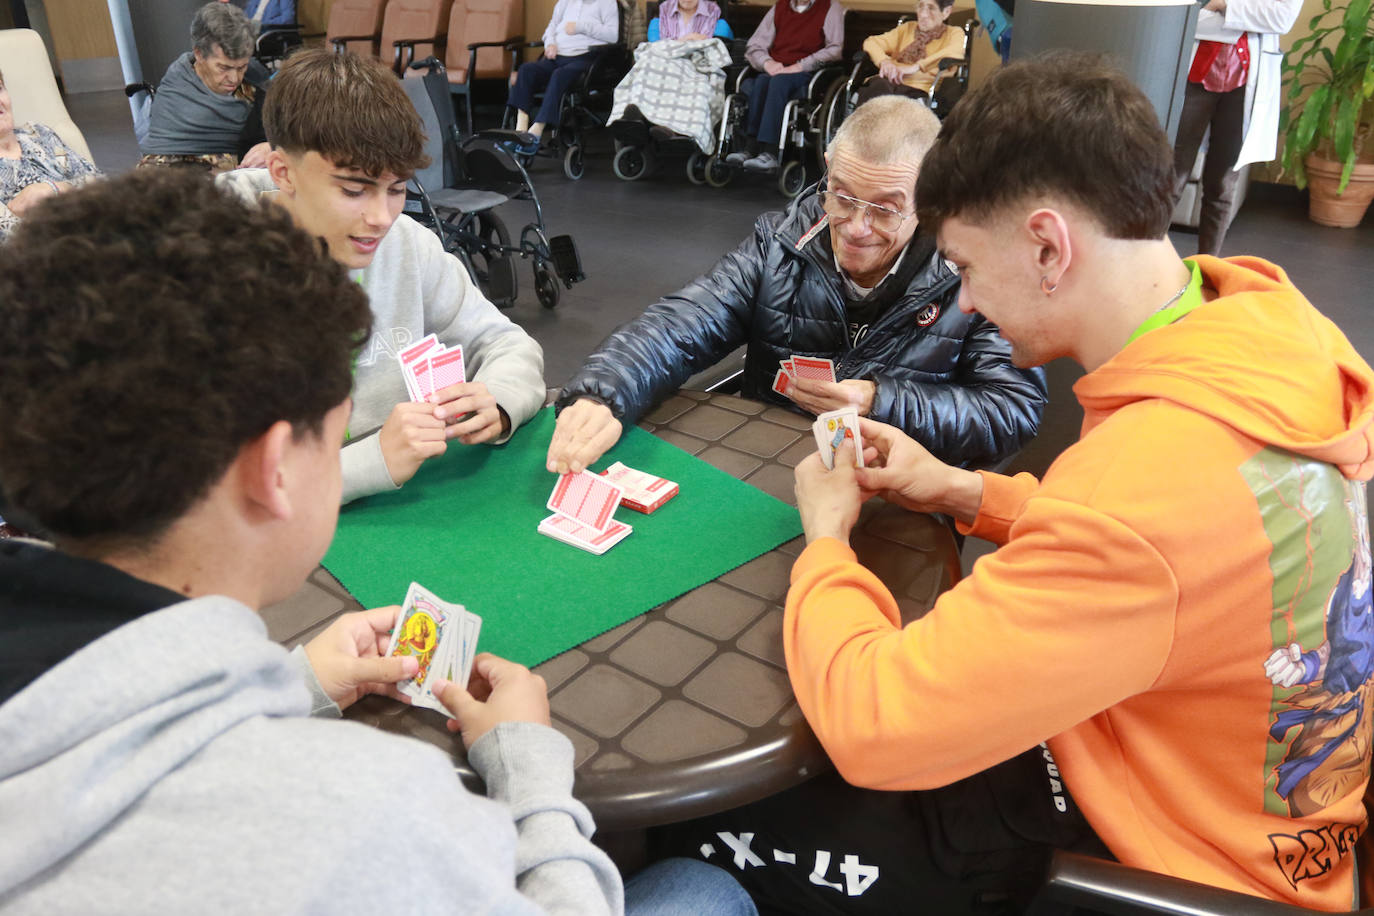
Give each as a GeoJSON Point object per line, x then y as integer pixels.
{"type": "Point", "coordinates": [416, 288]}
{"type": "Point", "coordinates": [171, 766]}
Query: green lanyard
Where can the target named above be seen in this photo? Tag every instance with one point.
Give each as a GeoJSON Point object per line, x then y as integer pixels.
{"type": "Point", "coordinates": [1191, 299]}
{"type": "Point", "coordinates": [353, 368]}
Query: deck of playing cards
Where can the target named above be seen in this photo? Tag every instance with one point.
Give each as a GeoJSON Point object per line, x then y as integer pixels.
{"type": "Point", "coordinates": [443, 638]}
{"type": "Point", "coordinates": [428, 366]}
{"type": "Point", "coordinates": [583, 507]}
{"type": "Point", "coordinates": [809, 367]}
{"type": "Point", "coordinates": [640, 491]}
{"type": "Point", "coordinates": [832, 429]}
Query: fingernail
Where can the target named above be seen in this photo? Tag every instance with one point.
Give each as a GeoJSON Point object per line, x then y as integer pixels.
{"type": "Point", "coordinates": [410, 665]}
{"type": "Point", "coordinates": [438, 685]}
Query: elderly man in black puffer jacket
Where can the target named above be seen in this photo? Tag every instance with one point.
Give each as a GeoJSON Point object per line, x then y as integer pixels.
{"type": "Point", "coordinates": [841, 274]}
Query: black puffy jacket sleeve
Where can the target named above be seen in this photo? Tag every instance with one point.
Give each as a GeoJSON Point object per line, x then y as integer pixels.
{"type": "Point", "coordinates": [652, 356]}
{"type": "Point", "coordinates": [979, 418]}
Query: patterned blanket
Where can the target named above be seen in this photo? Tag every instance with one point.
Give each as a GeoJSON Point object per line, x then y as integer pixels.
{"type": "Point", "coordinates": [679, 85]}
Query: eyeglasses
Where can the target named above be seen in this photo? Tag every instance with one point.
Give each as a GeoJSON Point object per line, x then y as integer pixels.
{"type": "Point", "coordinates": [842, 207]}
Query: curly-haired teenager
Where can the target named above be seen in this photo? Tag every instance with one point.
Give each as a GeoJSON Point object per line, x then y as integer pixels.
{"type": "Point", "coordinates": [179, 435]}
{"type": "Point", "coordinates": [345, 139]}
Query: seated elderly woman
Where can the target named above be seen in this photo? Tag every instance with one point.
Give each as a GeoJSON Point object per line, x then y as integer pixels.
{"type": "Point", "coordinates": [205, 113]}
{"type": "Point", "coordinates": [688, 20]}
{"type": "Point", "coordinates": [908, 57]}
{"type": "Point", "coordinates": [35, 164]}
{"type": "Point", "coordinates": [576, 28]}
{"type": "Point", "coordinates": [677, 84]}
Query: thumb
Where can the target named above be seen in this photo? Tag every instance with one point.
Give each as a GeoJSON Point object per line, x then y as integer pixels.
{"type": "Point", "coordinates": [386, 670]}
{"type": "Point", "coordinates": [455, 699]}
{"type": "Point", "coordinates": [844, 455]}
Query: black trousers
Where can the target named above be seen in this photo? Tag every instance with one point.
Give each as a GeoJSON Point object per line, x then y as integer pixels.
{"type": "Point", "coordinates": [1224, 113]}
{"type": "Point", "coordinates": [877, 86]}
{"type": "Point", "coordinates": [978, 846]}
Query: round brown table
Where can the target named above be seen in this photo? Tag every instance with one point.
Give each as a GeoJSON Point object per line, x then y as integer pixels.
{"type": "Point", "coordinates": [686, 710]}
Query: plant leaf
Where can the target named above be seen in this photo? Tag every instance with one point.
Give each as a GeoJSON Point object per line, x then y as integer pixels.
{"type": "Point", "coordinates": [1343, 131]}
{"type": "Point", "coordinates": [1314, 110]}
{"type": "Point", "coordinates": [1356, 18]}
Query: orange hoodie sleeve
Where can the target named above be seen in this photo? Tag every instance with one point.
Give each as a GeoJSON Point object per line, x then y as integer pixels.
{"type": "Point", "coordinates": [1073, 615]}
{"type": "Point", "coordinates": [1003, 498]}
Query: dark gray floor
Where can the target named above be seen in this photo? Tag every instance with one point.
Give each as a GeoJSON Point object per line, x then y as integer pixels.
{"type": "Point", "coordinates": [641, 239]}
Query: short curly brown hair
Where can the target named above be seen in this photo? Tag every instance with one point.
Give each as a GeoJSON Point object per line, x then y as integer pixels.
{"type": "Point", "coordinates": [1065, 124]}
{"type": "Point", "coordinates": [153, 325]}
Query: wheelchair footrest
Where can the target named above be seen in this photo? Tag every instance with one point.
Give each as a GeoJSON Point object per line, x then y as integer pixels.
{"type": "Point", "coordinates": [566, 262]}
{"type": "Point", "coordinates": [501, 283]}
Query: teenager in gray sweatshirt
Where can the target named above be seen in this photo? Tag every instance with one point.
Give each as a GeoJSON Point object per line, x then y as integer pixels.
{"type": "Point", "coordinates": [179, 435]}
{"type": "Point", "coordinates": [345, 140]}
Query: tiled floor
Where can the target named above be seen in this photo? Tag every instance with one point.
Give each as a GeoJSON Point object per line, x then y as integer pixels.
{"type": "Point", "coordinates": [639, 240]}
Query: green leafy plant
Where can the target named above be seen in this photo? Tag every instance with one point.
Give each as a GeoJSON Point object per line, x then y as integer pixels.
{"type": "Point", "coordinates": [1339, 85]}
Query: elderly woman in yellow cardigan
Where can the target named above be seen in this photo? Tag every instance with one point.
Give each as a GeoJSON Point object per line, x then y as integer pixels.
{"type": "Point", "coordinates": [908, 57]}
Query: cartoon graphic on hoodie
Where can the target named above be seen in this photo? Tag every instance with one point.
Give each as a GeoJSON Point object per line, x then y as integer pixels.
{"type": "Point", "coordinates": [1330, 752]}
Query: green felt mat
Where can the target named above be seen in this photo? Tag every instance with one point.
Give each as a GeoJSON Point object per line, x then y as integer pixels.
{"type": "Point", "coordinates": [464, 527]}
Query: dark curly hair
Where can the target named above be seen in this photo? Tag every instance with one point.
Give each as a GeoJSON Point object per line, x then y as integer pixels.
{"type": "Point", "coordinates": [153, 325]}
{"type": "Point", "coordinates": [1066, 124]}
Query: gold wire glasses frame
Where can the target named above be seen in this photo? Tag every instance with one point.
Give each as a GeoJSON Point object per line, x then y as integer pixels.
{"type": "Point", "coordinates": [841, 207]}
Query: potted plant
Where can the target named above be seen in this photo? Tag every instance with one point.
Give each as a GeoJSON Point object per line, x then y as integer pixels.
{"type": "Point", "coordinates": [1324, 141]}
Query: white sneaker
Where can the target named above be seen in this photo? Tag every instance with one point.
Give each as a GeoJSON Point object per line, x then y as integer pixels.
{"type": "Point", "coordinates": [763, 162]}
{"type": "Point", "coordinates": [736, 158]}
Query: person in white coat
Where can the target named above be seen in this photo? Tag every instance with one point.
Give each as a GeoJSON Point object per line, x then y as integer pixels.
{"type": "Point", "coordinates": [1234, 89]}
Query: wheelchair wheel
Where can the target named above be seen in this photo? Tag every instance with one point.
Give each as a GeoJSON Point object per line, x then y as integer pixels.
{"type": "Point", "coordinates": [631, 163]}
{"type": "Point", "coordinates": [573, 166]}
{"type": "Point", "coordinates": [792, 179]}
{"type": "Point", "coordinates": [718, 174]}
{"type": "Point", "coordinates": [488, 236]}
{"type": "Point", "coordinates": [834, 109]}
{"type": "Point", "coordinates": [696, 167]}
{"type": "Point", "coordinates": [546, 285]}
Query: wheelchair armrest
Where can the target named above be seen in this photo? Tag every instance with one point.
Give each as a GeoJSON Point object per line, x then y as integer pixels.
{"type": "Point", "coordinates": [134, 89]}
{"type": "Point", "coordinates": [823, 72]}
{"type": "Point", "coordinates": [535, 44]}
{"type": "Point", "coordinates": [493, 44]}
{"type": "Point", "coordinates": [949, 63]}
{"type": "Point", "coordinates": [1120, 890]}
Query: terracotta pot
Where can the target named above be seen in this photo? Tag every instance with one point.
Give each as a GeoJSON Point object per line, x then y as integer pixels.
{"type": "Point", "coordinates": [1325, 206]}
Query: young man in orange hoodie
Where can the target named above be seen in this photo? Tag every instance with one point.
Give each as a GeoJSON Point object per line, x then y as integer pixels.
{"type": "Point", "coordinates": [1180, 609]}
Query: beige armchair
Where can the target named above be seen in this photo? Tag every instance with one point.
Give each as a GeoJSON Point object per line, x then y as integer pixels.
{"type": "Point", "coordinates": [32, 88]}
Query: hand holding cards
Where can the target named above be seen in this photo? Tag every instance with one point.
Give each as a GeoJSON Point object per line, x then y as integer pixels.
{"type": "Point", "coordinates": [427, 366]}
{"type": "Point", "coordinates": [796, 367]}
{"type": "Point", "coordinates": [443, 639]}
{"type": "Point", "coordinates": [832, 429]}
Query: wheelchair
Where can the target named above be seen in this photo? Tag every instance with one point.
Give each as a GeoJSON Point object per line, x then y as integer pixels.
{"type": "Point", "coordinates": [639, 143]}
{"type": "Point", "coordinates": [585, 107]}
{"type": "Point", "coordinates": [842, 95]}
{"type": "Point", "coordinates": [467, 179]}
{"type": "Point", "coordinates": [801, 144]}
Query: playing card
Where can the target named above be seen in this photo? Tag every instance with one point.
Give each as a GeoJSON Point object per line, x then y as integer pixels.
{"type": "Point", "coordinates": [570, 531]}
{"type": "Point", "coordinates": [782, 384]}
{"type": "Point", "coordinates": [412, 355]}
{"type": "Point", "coordinates": [446, 369]}
{"type": "Point", "coordinates": [788, 367]}
{"type": "Point", "coordinates": [586, 498]}
{"type": "Point", "coordinates": [640, 491]}
{"type": "Point", "coordinates": [419, 373]}
{"type": "Point", "coordinates": [419, 631]}
{"type": "Point", "coordinates": [832, 429]}
{"type": "Point", "coordinates": [813, 368]}
{"type": "Point", "coordinates": [442, 635]}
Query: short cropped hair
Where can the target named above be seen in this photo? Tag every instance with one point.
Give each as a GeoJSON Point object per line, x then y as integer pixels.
{"type": "Point", "coordinates": [225, 25]}
{"type": "Point", "coordinates": [134, 372]}
{"type": "Point", "coordinates": [1064, 124]}
{"type": "Point", "coordinates": [886, 130]}
{"type": "Point", "coordinates": [349, 109]}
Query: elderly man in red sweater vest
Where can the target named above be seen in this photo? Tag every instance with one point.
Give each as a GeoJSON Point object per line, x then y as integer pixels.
{"type": "Point", "coordinates": [794, 38]}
